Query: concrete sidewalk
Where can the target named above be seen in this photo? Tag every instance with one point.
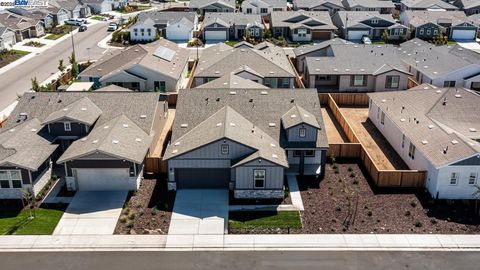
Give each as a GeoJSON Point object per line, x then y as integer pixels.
{"type": "Point", "coordinates": [242, 242]}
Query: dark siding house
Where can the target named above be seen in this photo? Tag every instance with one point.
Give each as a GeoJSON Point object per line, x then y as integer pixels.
{"type": "Point", "coordinates": [245, 141]}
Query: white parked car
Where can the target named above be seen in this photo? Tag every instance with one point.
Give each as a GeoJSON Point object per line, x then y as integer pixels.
{"type": "Point", "coordinates": [75, 22]}
{"type": "Point", "coordinates": [366, 40]}
{"type": "Point", "coordinates": [112, 27]}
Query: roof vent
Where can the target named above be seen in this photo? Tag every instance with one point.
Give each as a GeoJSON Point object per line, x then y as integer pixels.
{"type": "Point", "coordinates": [233, 125]}
{"type": "Point", "coordinates": [233, 93]}
{"type": "Point", "coordinates": [12, 130]}
{"type": "Point", "coordinates": [143, 116]}
{"type": "Point", "coordinates": [177, 144]}
{"type": "Point", "coordinates": [33, 129]}
{"type": "Point", "coordinates": [125, 125]}
{"type": "Point", "coordinates": [184, 125]}
{"type": "Point", "coordinates": [402, 120]}
{"type": "Point", "coordinates": [431, 126]}
{"type": "Point", "coordinates": [115, 141]}
{"type": "Point", "coordinates": [274, 156]}
{"type": "Point", "coordinates": [273, 145]}
{"type": "Point", "coordinates": [424, 142]}
{"type": "Point", "coordinates": [264, 93]}
{"type": "Point", "coordinates": [384, 100]}
{"type": "Point", "coordinates": [293, 116]}
{"type": "Point", "coordinates": [472, 129]}
{"type": "Point", "coordinates": [272, 124]}
{"type": "Point", "coordinates": [105, 127]}
{"type": "Point", "coordinates": [83, 139]}
{"type": "Point", "coordinates": [95, 141]}
{"type": "Point", "coordinates": [83, 109]}
{"type": "Point", "coordinates": [306, 115]}
{"type": "Point", "coordinates": [458, 96]}
{"type": "Point", "coordinates": [174, 151]}
{"type": "Point", "coordinates": [65, 109]}
{"type": "Point", "coordinates": [219, 124]}
{"type": "Point", "coordinates": [438, 91]}
{"type": "Point", "coordinates": [454, 141]}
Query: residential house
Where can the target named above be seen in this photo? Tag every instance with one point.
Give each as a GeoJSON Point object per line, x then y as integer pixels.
{"type": "Point", "coordinates": [232, 81]}
{"type": "Point", "coordinates": [221, 26]}
{"type": "Point", "coordinates": [7, 37]}
{"type": "Point", "coordinates": [263, 7]}
{"type": "Point", "coordinates": [171, 25]}
{"type": "Point", "coordinates": [302, 26]}
{"type": "Point", "coordinates": [99, 6]}
{"type": "Point", "coordinates": [43, 15]}
{"type": "Point", "coordinates": [265, 64]}
{"type": "Point", "coordinates": [434, 130]}
{"type": "Point", "coordinates": [430, 5]}
{"type": "Point", "coordinates": [160, 66]}
{"type": "Point", "coordinates": [338, 66]}
{"type": "Point", "coordinates": [22, 26]}
{"type": "Point", "coordinates": [469, 6]}
{"type": "Point", "coordinates": [332, 6]}
{"type": "Point", "coordinates": [428, 24]}
{"type": "Point", "coordinates": [382, 6]}
{"type": "Point", "coordinates": [102, 138]}
{"type": "Point", "coordinates": [75, 8]}
{"type": "Point", "coordinates": [203, 6]}
{"type": "Point", "coordinates": [353, 25]}
{"type": "Point", "coordinates": [144, 31]}
{"type": "Point", "coordinates": [475, 19]}
{"type": "Point", "coordinates": [246, 141]}
{"type": "Point", "coordinates": [442, 66]}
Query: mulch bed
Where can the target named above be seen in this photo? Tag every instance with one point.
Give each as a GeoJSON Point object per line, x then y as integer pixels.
{"type": "Point", "coordinates": [7, 58]}
{"type": "Point", "coordinates": [343, 204]}
{"type": "Point", "coordinates": [151, 206]}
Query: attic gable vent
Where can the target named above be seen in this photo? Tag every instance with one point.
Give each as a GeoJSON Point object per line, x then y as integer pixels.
{"type": "Point", "coordinates": [184, 125]}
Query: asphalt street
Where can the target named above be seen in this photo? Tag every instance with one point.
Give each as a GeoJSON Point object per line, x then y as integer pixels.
{"type": "Point", "coordinates": [251, 260]}
{"type": "Point", "coordinates": [18, 80]}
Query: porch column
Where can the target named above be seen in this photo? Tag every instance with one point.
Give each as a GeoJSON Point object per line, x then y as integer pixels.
{"type": "Point", "coordinates": [301, 168]}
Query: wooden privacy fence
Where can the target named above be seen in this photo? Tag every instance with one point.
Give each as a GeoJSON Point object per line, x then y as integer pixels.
{"type": "Point", "coordinates": [411, 83]}
{"type": "Point", "coordinates": [354, 149]}
{"type": "Point", "coordinates": [155, 165]}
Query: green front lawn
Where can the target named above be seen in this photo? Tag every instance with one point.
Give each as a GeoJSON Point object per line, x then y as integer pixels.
{"type": "Point", "coordinates": [55, 36]}
{"type": "Point", "coordinates": [264, 220]}
{"type": "Point", "coordinates": [97, 18]}
{"type": "Point", "coordinates": [231, 43]}
{"type": "Point", "coordinates": [14, 222]}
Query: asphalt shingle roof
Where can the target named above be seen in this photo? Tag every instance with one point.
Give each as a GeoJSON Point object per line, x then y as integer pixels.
{"type": "Point", "coordinates": [233, 18]}
{"type": "Point", "coordinates": [232, 81]}
{"type": "Point", "coordinates": [421, 17]}
{"type": "Point", "coordinates": [371, 3]}
{"type": "Point", "coordinates": [315, 20]}
{"type": "Point", "coordinates": [434, 119]}
{"type": "Point", "coordinates": [316, 3]}
{"type": "Point", "coordinates": [427, 4]}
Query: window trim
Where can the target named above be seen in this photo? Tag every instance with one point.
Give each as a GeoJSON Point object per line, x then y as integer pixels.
{"type": "Point", "coordinates": [456, 174]}
{"type": "Point", "coordinates": [475, 176]}
{"type": "Point", "coordinates": [255, 178]}
{"type": "Point", "coordinates": [223, 147]}
{"type": "Point", "coordinates": [300, 130]}
{"type": "Point", "coordinates": [449, 83]}
{"type": "Point", "coordinates": [382, 118]}
{"type": "Point", "coordinates": [67, 124]}
{"type": "Point", "coordinates": [411, 150]}
{"type": "Point", "coordinates": [10, 179]}
{"type": "Point", "coordinates": [364, 81]}
{"type": "Point", "coordinates": [389, 80]}
{"type": "Point", "coordinates": [296, 153]}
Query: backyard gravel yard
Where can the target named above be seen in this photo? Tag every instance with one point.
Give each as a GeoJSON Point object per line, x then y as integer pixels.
{"type": "Point", "coordinates": [148, 210]}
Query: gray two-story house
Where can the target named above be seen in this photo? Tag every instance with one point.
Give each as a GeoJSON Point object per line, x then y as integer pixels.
{"type": "Point", "coordinates": [245, 140]}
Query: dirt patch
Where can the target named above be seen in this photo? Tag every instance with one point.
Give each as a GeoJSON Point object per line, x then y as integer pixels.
{"type": "Point", "coordinates": [334, 131]}
{"type": "Point", "coordinates": [148, 210]}
{"type": "Point", "coordinates": [382, 153]}
{"type": "Point", "coordinates": [7, 57]}
{"type": "Point", "coordinates": [343, 204]}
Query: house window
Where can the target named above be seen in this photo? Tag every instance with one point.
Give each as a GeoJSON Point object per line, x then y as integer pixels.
{"type": "Point", "coordinates": [159, 86]}
{"type": "Point", "coordinates": [249, 11]}
{"type": "Point", "coordinates": [286, 83]}
{"type": "Point", "coordinates": [67, 126]}
{"type": "Point", "coordinates": [225, 149]}
{"type": "Point", "coordinates": [382, 118]}
{"type": "Point", "coordinates": [255, 32]}
{"type": "Point", "coordinates": [308, 153]}
{"type": "Point", "coordinates": [302, 132]}
{"type": "Point", "coordinates": [263, 10]}
{"type": "Point", "coordinates": [403, 140]}
{"type": "Point", "coordinates": [358, 80]}
{"type": "Point", "coordinates": [475, 86]}
{"type": "Point", "coordinates": [302, 32]}
{"type": "Point", "coordinates": [453, 178]}
{"type": "Point", "coordinates": [449, 83]}
{"type": "Point", "coordinates": [428, 31]}
{"type": "Point", "coordinates": [411, 151]}
{"type": "Point", "coordinates": [136, 85]}
{"type": "Point", "coordinates": [10, 179]}
{"type": "Point", "coordinates": [392, 81]}
{"type": "Point", "coordinates": [421, 31]}
{"type": "Point", "coordinates": [472, 179]}
{"type": "Point", "coordinates": [323, 77]}
{"type": "Point", "coordinates": [374, 21]}
{"type": "Point", "coordinates": [259, 178]}
{"type": "Point", "coordinates": [435, 32]}
{"type": "Point", "coordinates": [396, 32]}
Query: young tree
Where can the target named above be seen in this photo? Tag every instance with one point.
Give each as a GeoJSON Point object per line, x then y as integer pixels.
{"type": "Point", "coordinates": [35, 84]}
{"type": "Point", "coordinates": [73, 61]}
{"type": "Point", "coordinates": [267, 34]}
{"type": "Point", "coordinates": [61, 67]}
{"type": "Point", "coordinates": [385, 36]}
{"type": "Point", "coordinates": [28, 200]}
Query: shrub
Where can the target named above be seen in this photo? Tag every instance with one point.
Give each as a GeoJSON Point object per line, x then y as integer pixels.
{"type": "Point", "coordinates": [352, 174]}
{"type": "Point", "coordinates": [126, 211]}
{"type": "Point", "coordinates": [418, 223]}
{"type": "Point", "coordinates": [433, 220]}
{"type": "Point", "coordinates": [350, 169]}
{"type": "Point", "coordinates": [130, 223]}
{"type": "Point", "coordinates": [355, 181]}
{"type": "Point", "coordinates": [131, 215]}
{"type": "Point", "coordinates": [338, 208]}
{"type": "Point", "coordinates": [336, 171]}
{"type": "Point", "coordinates": [413, 203]}
{"type": "Point", "coordinates": [332, 159]}
{"type": "Point", "coordinates": [123, 219]}
{"type": "Point", "coordinates": [407, 213]}
{"type": "Point", "coordinates": [195, 42]}
{"type": "Point", "coordinates": [154, 210]}
{"type": "Point", "coordinates": [334, 166]}
{"type": "Point", "coordinates": [369, 213]}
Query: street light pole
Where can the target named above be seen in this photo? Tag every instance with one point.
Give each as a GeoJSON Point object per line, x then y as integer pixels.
{"type": "Point", "coordinates": [71, 35]}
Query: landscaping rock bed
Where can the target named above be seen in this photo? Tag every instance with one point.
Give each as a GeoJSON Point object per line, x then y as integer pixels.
{"type": "Point", "coordinates": [148, 210]}
{"type": "Point", "coordinates": [345, 202]}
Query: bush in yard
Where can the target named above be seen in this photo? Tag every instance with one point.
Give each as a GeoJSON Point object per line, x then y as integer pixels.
{"type": "Point", "coordinates": [355, 181]}
{"type": "Point", "coordinates": [123, 219]}
{"type": "Point", "coordinates": [418, 223]}
{"type": "Point", "coordinates": [338, 208]}
{"type": "Point", "coordinates": [407, 213]}
{"type": "Point", "coordinates": [336, 171]}
{"type": "Point", "coordinates": [350, 169]}
{"type": "Point", "coordinates": [413, 203]}
{"type": "Point", "coordinates": [130, 223]}
{"type": "Point", "coordinates": [154, 210]}
{"type": "Point", "coordinates": [433, 220]}
{"type": "Point", "coordinates": [332, 159]}
{"type": "Point", "coordinates": [335, 166]}
{"type": "Point", "coordinates": [131, 216]}
{"type": "Point", "coordinates": [369, 213]}
{"type": "Point", "coordinates": [352, 174]}
{"type": "Point", "coordinates": [126, 211]}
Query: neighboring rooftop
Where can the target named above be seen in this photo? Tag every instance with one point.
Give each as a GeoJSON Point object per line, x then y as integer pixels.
{"type": "Point", "coordinates": [232, 81]}
{"type": "Point", "coordinates": [271, 3]}
{"type": "Point", "coordinates": [443, 123]}
{"type": "Point", "coordinates": [370, 3]}
{"type": "Point", "coordinates": [428, 4]}
{"type": "Point", "coordinates": [204, 3]}
{"type": "Point", "coordinates": [315, 20]}
{"type": "Point", "coordinates": [233, 18]}
{"type": "Point", "coordinates": [356, 18]}
{"type": "Point", "coordinates": [421, 17]}
{"type": "Point", "coordinates": [305, 49]}
{"type": "Point", "coordinates": [315, 3]}
{"type": "Point", "coordinates": [166, 17]}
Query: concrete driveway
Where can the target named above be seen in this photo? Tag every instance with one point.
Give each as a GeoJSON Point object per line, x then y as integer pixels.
{"type": "Point", "coordinates": [92, 212]}
{"type": "Point", "coordinates": [199, 211]}
{"type": "Point", "coordinates": [471, 45]}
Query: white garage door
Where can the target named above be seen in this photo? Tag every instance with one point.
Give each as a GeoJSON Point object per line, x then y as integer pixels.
{"type": "Point", "coordinates": [463, 34]}
{"type": "Point", "coordinates": [216, 35]}
{"type": "Point", "coordinates": [102, 179]}
{"type": "Point", "coordinates": [357, 35]}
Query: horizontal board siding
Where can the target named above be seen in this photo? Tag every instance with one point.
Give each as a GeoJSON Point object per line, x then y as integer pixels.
{"type": "Point", "coordinates": [213, 151]}
{"type": "Point", "coordinates": [199, 163]}
{"type": "Point", "coordinates": [244, 177]}
{"type": "Point", "coordinates": [310, 136]}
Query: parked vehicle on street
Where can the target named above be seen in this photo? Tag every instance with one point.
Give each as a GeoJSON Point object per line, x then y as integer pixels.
{"type": "Point", "coordinates": [112, 27]}
{"type": "Point", "coordinates": [366, 40]}
{"type": "Point", "coordinates": [82, 28]}
{"type": "Point", "coordinates": [75, 22]}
